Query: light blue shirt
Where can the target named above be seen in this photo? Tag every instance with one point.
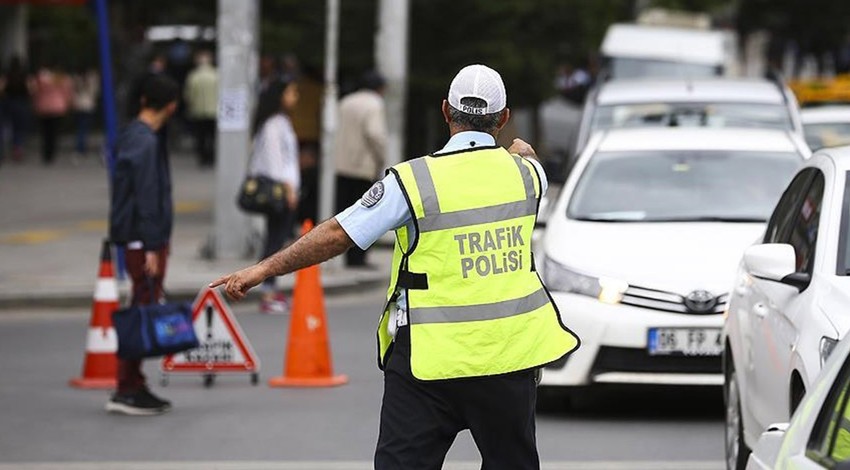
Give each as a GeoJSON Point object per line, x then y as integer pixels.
{"type": "Point", "coordinates": [365, 225]}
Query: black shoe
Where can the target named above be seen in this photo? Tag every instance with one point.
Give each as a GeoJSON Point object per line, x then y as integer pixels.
{"type": "Point", "coordinates": [165, 404]}
{"type": "Point", "coordinates": [134, 404]}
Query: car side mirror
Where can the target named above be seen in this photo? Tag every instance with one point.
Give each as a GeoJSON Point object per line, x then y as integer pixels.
{"type": "Point", "coordinates": [775, 262]}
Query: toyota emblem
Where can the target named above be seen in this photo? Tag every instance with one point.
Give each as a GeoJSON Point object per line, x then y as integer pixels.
{"type": "Point", "coordinates": [700, 301]}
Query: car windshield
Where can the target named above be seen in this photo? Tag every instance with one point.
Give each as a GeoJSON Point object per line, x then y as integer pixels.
{"type": "Point", "coordinates": [648, 68]}
{"type": "Point", "coordinates": [833, 134]}
{"type": "Point", "coordinates": [681, 186]}
{"type": "Point", "coordinates": [741, 115]}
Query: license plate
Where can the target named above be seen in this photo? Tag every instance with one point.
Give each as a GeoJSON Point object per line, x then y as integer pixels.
{"type": "Point", "coordinates": [685, 341]}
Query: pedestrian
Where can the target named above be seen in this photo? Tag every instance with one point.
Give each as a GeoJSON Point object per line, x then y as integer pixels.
{"type": "Point", "coordinates": [275, 155]}
{"type": "Point", "coordinates": [467, 323]}
{"type": "Point", "coordinates": [86, 89]}
{"type": "Point", "coordinates": [52, 94]}
{"type": "Point", "coordinates": [141, 218]}
{"type": "Point", "coordinates": [16, 91]}
{"type": "Point", "coordinates": [360, 147]}
{"type": "Point", "coordinates": [201, 95]}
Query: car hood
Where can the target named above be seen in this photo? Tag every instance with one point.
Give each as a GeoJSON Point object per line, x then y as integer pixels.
{"type": "Point", "coordinates": [674, 257]}
{"type": "Point", "coordinates": [833, 303]}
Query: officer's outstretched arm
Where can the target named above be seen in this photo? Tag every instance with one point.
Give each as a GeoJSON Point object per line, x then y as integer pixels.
{"type": "Point", "coordinates": [318, 245]}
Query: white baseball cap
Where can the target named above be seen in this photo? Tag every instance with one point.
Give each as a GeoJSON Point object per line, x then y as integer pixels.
{"type": "Point", "coordinates": [478, 81]}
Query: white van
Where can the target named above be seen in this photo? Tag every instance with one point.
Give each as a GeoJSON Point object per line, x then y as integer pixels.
{"type": "Point", "coordinates": [637, 51]}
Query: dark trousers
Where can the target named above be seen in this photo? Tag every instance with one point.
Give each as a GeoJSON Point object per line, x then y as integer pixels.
{"type": "Point", "coordinates": [205, 141]}
{"type": "Point", "coordinates": [49, 135]}
{"type": "Point", "coordinates": [130, 377]}
{"type": "Point", "coordinates": [348, 191]}
{"type": "Point", "coordinates": [420, 420]}
{"type": "Point", "coordinates": [279, 231]}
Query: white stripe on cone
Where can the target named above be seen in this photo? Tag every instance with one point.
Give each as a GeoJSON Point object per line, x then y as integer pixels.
{"type": "Point", "coordinates": [101, 340]}
{"type": "Point", "coordinates": [106, 290]}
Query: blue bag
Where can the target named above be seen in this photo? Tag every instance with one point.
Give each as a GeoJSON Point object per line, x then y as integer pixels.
{"type": "Point", "coordinates": [154, 330]}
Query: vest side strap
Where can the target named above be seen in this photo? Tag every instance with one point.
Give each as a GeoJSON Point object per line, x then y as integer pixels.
{"type": "Point", "coordinates": [411, 280]}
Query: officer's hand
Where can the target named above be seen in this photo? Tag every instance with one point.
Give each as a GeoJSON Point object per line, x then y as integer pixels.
{"type": "Point", "coordinates": [522, 148]}
{"type": "Point", "coordinates": [237, 284]}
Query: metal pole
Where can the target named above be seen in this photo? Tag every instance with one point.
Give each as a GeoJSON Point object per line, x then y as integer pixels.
{"type": "Point", "coordinates": [327, 185]}
{"type": "Point", "coordinates": [391, 59]}
{"type": "Point", "coordinates": [110, 115]}
{"type": "Point", "coordinates": [13, 26]}
{"type": "Point", "coordinates": [237, 34]}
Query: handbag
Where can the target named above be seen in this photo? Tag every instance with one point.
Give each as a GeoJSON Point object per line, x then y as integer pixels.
{"type": "Point", "coordinates": [154, 330]}
{"type": "Point", "coordinates": [260, 194]}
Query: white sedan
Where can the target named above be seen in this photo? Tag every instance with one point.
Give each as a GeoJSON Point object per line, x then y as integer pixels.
{"type": "Point", "coordinates": [642, 244]}
{"type": "Point", "coordinates": [818, 436]}
{"type": "Point", "coordinates": [789, 305]}
{"type": "Point", "coordinates": [827, 126]}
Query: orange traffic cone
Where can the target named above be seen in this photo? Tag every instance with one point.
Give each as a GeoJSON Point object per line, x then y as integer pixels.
{"type": "Point", "coordinates": [308, 356]}
{"type": "Point", "coordinates": [100, 363]}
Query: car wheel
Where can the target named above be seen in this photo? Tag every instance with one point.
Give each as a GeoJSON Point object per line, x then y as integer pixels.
{"type": "Point", "coordinates": [737, 451]}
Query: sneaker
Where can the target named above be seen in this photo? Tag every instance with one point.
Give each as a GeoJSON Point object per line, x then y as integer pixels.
{"type": "Point", "coordinates": [277, 305]}
{"type": "Point", "coordinates": [164, 404]}
{"type": "Point", "coordinates": [134, 404]}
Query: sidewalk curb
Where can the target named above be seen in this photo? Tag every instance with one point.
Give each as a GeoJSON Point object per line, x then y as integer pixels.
{"type": "Point", "coordinates": [332, 286]}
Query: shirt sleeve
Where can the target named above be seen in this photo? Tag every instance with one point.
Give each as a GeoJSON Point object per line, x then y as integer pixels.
{"type": "Point", "coordinates": [544, 181]}
{"type": "Point", "coordinates": [365, 225]}
{"type": "Point", "coordinates": [146, 192]}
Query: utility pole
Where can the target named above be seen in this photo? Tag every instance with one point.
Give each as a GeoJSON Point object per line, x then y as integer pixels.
{"type": "Point", "coordinates": [13, 31]}
{"type": "Point", "coordinates": [391, 59]}
{"type": "Point", "coordinates": [238, 38]}
{"type": "Point", "coordinates": [327, 184]}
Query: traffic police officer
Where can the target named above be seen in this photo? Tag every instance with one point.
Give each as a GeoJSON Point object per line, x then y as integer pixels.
{"type": "Point", "coordinates": [467, 321]}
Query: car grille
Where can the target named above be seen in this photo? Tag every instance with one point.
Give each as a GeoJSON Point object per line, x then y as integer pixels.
{"type": "Point", "coordinates": [613, 359]}
{"type": "Point", "coordinates": [668, 301]}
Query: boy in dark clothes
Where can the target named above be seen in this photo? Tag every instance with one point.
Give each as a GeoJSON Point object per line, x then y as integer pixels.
{"type": "Point", "coordinates": [140, 218]}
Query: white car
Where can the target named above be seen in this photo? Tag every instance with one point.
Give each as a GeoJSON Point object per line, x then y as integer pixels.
{"type": "Point", "coordinates": [826, 126]}
{"type": "Point", "coordinates": [742, 103]}
{"type": "Point", "coordinates": [789, 304]}
{"type": "Point", "coordinates": [642, 244]}
{"type": "Point", "coordinates": [818, 436]}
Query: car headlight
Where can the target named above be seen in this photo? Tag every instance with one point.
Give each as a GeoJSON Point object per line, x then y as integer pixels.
{"type": "Point", "coordinates": [562, 279]}
{"type": "Point", "coordinates": [826, 346]}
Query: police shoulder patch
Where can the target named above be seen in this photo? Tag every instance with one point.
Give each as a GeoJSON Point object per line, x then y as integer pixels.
{"type": "Point", "coordinates": [373, 195]}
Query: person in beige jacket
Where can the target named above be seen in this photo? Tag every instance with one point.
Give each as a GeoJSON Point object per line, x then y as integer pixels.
{"type": "Point", "coordinates": [360, 147]}
{"type": "Point", "coordinates": [201, 94]}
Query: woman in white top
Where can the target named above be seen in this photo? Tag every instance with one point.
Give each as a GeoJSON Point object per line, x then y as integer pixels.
{"type": "Point", "coordinates": [275, 155]}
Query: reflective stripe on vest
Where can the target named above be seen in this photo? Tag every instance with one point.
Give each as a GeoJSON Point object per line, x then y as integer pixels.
{"type": "Point", "coordinates": [481, 309]}
{"type": "Point", "coordinates": [505, 308]}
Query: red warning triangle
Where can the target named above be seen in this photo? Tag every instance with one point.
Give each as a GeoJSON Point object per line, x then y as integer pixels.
{"type": "Point", "coordinates": [224, 346]}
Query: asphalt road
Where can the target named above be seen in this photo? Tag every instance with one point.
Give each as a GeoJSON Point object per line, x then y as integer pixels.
{"type": "Point", "coordinates": [44, 424]}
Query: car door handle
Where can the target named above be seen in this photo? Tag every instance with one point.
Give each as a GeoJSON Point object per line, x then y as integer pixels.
{"type": "Point", "coordinates": [760, 310]}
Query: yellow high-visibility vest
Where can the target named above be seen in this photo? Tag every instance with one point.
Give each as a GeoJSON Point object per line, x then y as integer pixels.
{"type": "Point", "coordinates": [476, 306]}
